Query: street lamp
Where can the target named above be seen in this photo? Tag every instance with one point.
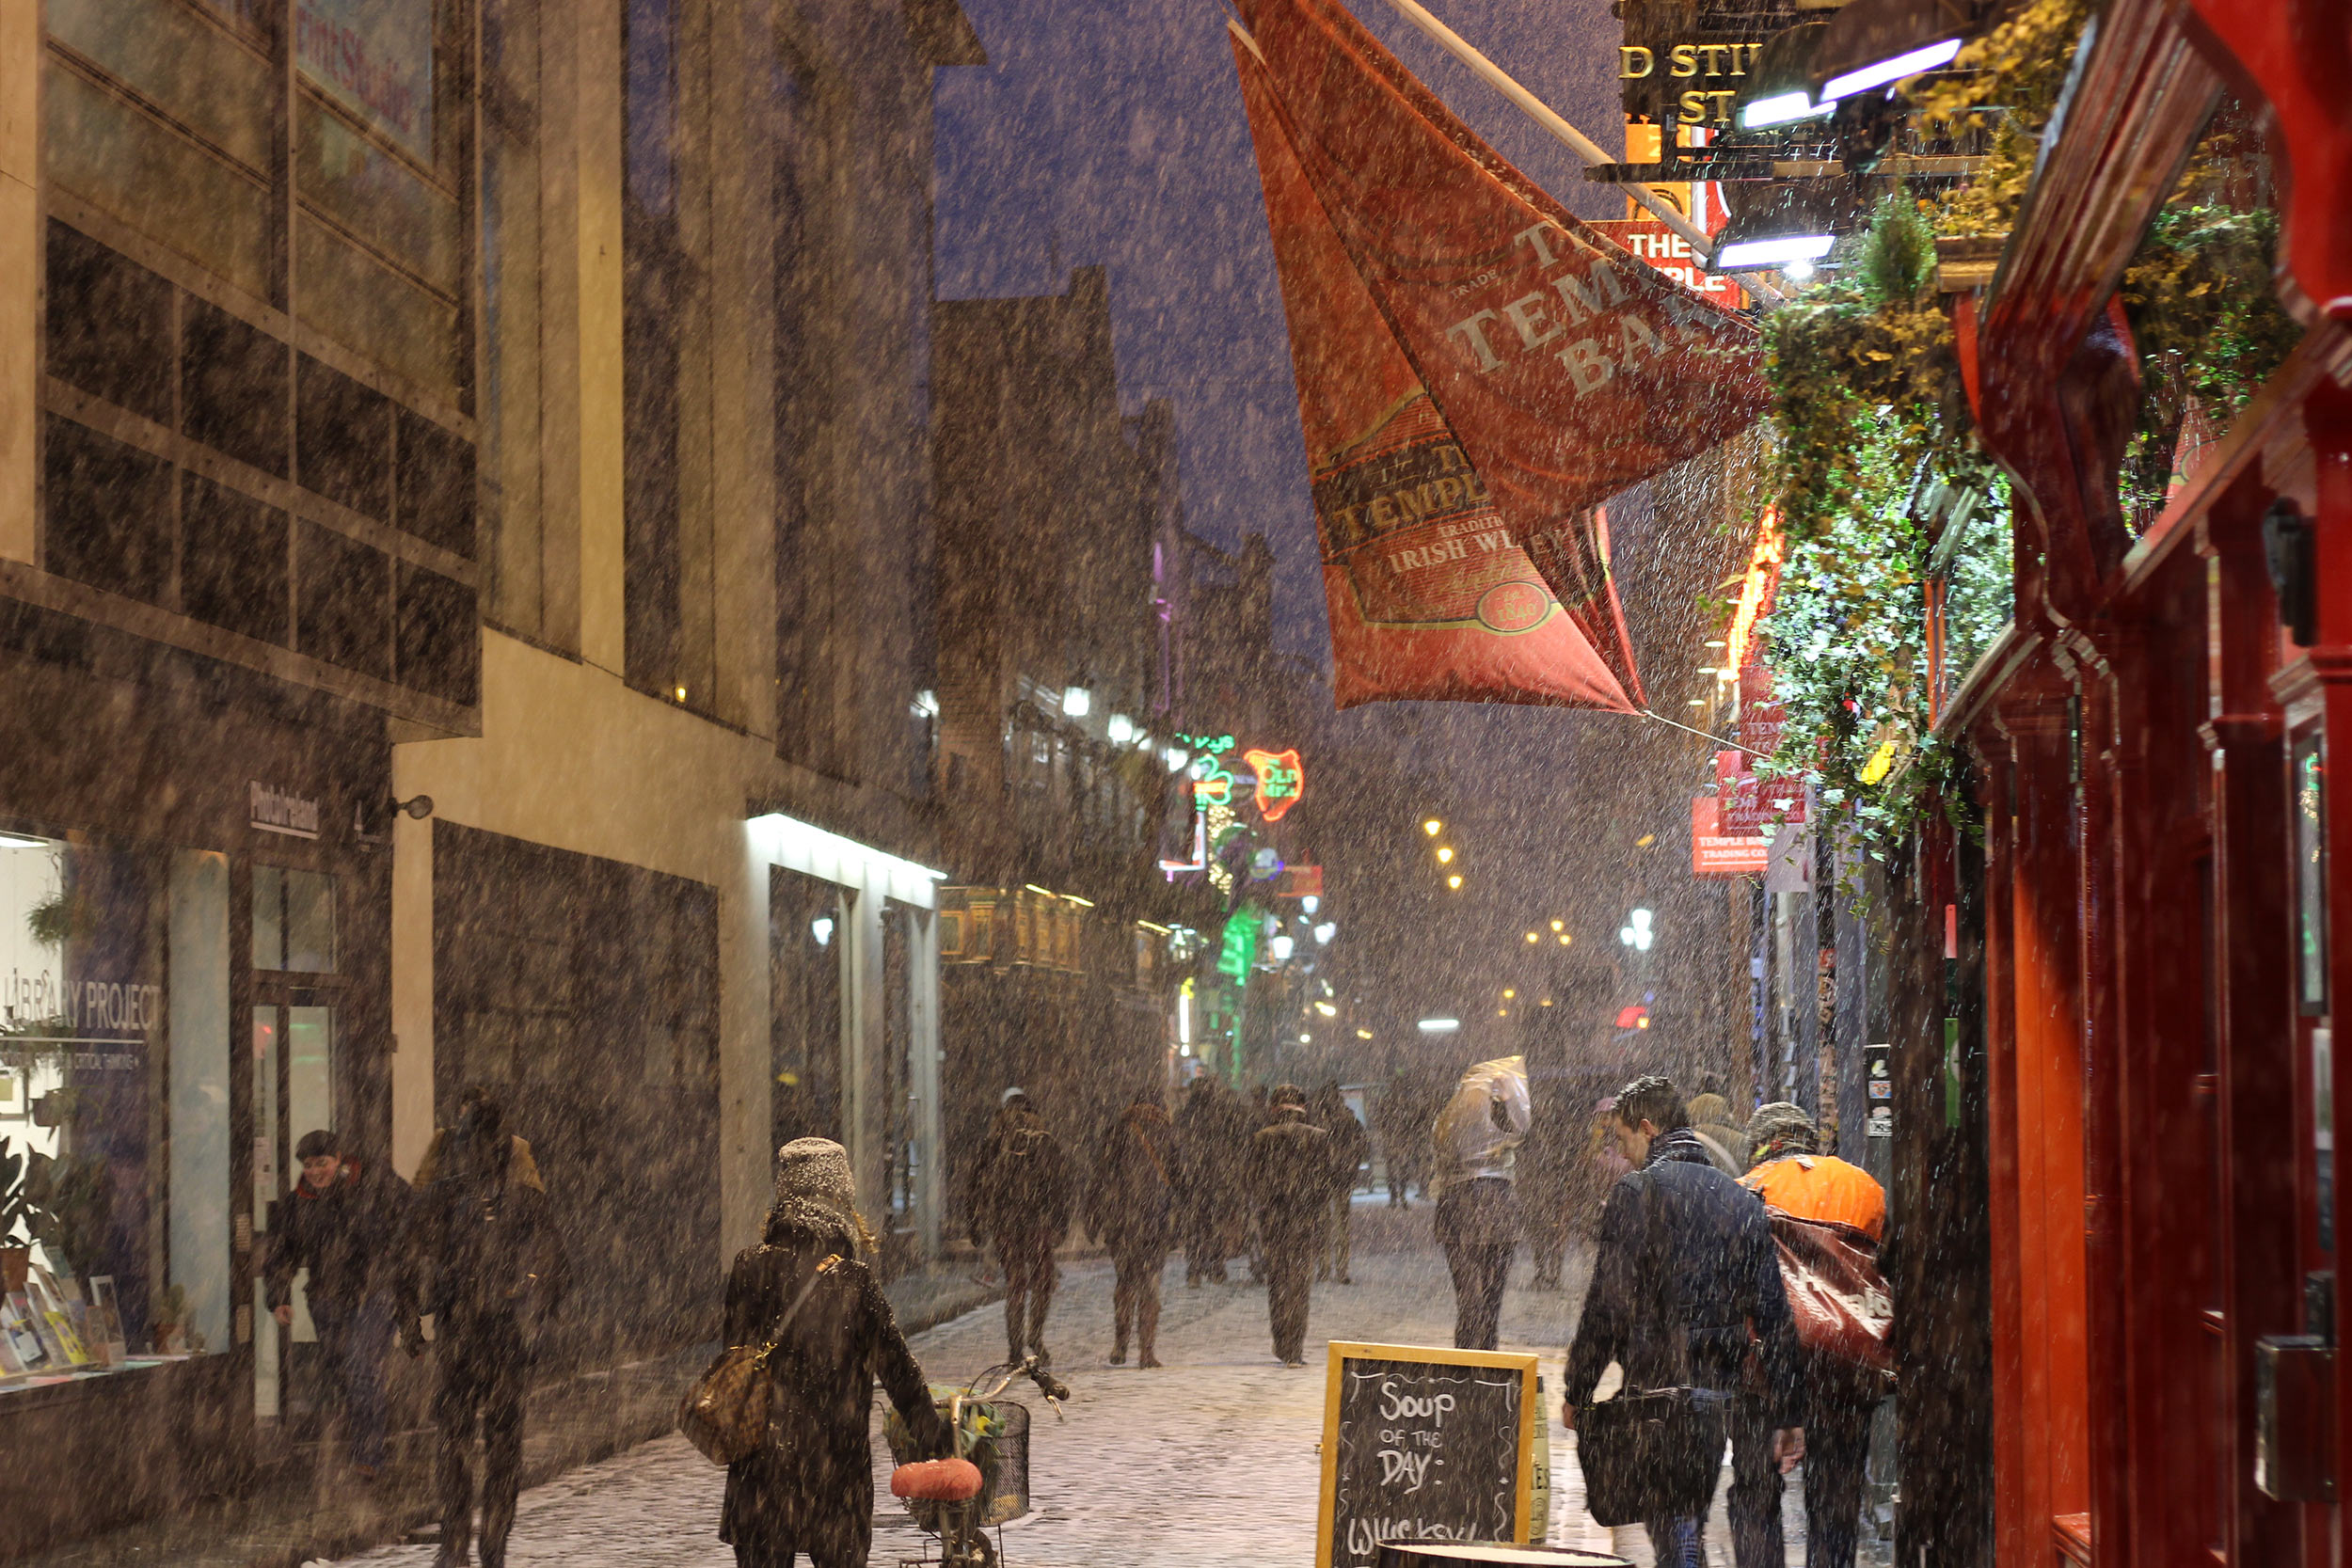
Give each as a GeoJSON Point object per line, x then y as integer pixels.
{"type": "Point", "coordinates": [1532, 937]}
{"type": "Point", "coordinates": [1281, 946]}
{"type": "Point", "coordinates": [1636, 933]}
{"type": "Point", "coordinates": [1077, 701]}
{"type": "Point", "coordinates": [1122, 729]}
{"type": "Point", "coordinates": [1445, 855]}
{"type": "Point", "coordinates": [1439, 1026]}
{"type": "Point", "coordinates": [1324, 932]}
{"type": "Point", "coordinates": [1454, 882]}
{"type": "Point", "coordinates": [1433, 827]}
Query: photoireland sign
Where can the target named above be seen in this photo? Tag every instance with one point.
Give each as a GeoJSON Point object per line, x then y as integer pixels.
{"type": "Point", "coordinates": [1427, 1444]}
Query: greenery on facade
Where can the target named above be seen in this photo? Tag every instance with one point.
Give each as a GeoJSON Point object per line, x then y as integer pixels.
{"type": "Point", "coordinates": [1870, 417]}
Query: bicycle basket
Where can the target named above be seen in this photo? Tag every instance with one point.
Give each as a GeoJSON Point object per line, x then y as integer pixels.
{"type": "Point", "coordinates": [995, 1437]}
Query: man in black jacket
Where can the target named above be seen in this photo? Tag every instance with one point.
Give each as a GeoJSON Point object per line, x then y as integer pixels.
{"type": "Point", "coordinates": [1291, 1182]}
{"type": "Point", "coordinates": [1685, 1281]}
{"type": "Point", "coordinates": [492, 1271]}
{"type": "Point", "coordinates": [1021, 1199]}
{"type": "Point", "coordinates": [344, 1222]}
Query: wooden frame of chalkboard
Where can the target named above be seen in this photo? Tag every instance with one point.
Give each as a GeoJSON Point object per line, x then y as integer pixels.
{"type": "Point", "coordinates": [1418, 1365]}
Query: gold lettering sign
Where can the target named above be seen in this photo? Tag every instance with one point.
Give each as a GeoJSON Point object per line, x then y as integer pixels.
{"type": "Point", "coordinates": [1709, 105]}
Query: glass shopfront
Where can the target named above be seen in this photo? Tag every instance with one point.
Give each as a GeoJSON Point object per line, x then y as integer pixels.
{"type": "Point", "coordinates": [89, 935]}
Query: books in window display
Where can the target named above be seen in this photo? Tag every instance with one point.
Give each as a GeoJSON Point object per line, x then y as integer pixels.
{"type": "Point", "coordinates": [53, 1319]}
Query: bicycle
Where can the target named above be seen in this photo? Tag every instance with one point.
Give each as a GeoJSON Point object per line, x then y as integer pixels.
{"type": "Point", "coordinates": [986, 1481]}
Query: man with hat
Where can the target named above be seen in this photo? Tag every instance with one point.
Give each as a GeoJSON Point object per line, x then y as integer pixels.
{"type": "Point", "coordinates": [1792, 1175]}
{"type": "Point", "coordinates": [1020, 1198]}
{"type": "Point", "coordinates": [1292, 1184]}
{"type": "Point", "coordinates": [344, 1222]}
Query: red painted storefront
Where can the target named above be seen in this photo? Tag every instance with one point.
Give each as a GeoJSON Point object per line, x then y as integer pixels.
{"type": "Point", "coordinates": [2155, 769]}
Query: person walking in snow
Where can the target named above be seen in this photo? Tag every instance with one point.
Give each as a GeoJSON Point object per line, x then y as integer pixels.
{"type": "Point", "coordinates": [1127, 1211]}
{"type": "Point", "coordinates": [1477, 1138]}
{"type": "Point", "coordinates": [810, 1491]}
{"type": "Point", "coordinates": [1020, 1201]}
{"type": "Point", "coordinates": [1792, 1175]}
{"type": "Point", "coordinates": [1290, 1185]}
{"type": "Point", "coordinates": [1685, 1278]}
{"type": "Point", "coordinates": [493, 1271]}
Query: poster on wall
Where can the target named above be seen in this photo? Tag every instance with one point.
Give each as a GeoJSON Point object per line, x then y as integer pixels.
{"type": "Point", "coordinates": [374, 59]}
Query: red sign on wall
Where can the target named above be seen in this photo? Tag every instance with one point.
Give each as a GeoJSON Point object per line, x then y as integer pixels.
{"type": "Point", "coordinates": [1670, 253]}
{"type": "Point", "coordinates": [1718, 852]}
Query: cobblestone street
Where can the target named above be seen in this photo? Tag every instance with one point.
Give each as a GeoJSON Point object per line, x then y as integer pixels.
{"type": "Point", "coordinates": [1208, 1462]}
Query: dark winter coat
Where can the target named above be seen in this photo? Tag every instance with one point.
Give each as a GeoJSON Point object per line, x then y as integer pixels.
{"type": "Point", "coordinates": [1351, 1145]}
{"type": "Point", "coordinates": [1683, 1249]}
{"type": "Point", "coordinates": [1127, 1208]}
{"type": "Point", "coordinates": [1291, 1181]}
{"type": "Point", "coordinates": [811, 1489]}
{"type": "Point", "coordinates": [1021, 1184]}
{"type": "Point", "coordinates": [484, 1238]}
{"type": "Point", "coordinates": [349, 1236]}
{"type": "Point", "coordinates": [1212, 1148]}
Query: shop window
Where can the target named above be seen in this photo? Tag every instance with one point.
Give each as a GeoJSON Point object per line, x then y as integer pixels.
{"type": "Point", "coordinates": [439, 635]}
{"type": "Point", "coordinates": [435, 488]}
{"type": "Point", "coordinates": [109, 513]}
{"type": "Point", "coordinates": [199, 1065]}
{"type": "Point", "coordinates": [109, 325]}
{"type": "Point", "coordinates": [293, 920]}
{"type": "Point", "coordinates": [343, 439]}
{"type": "Point", "coordinates": [344, 594]}
{"type": "Point", "coordinates": [232, 386]}
{"type": "Point", "coordinates": [234, 569]}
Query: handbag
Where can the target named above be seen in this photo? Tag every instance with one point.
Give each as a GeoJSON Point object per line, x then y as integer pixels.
{"type": "Point", "coordinates": [1652, 1453]}
{"type": "Point", "coordinates": [725, 1414]}
{"type": "Point", "coordinates": [1844, 1314]}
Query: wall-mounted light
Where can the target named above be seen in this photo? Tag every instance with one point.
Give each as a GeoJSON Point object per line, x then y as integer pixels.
{"type": "Point", "coordinates": [1121, 728]}
{"type": "Point", "coordinates": [416, 808]}
{"type": "Point", "coordinates": [821, 928]}
{"type": "Point", "coordinates": [1324, 932]}
{"type": "Point", "coordinates": [1311, 903]}
{"type": "Point", "coordinates": [1282, 947]}
{"type": "Point", "coordinates": [1077, 701]}
{"type": "Point", "coordinates": [1439, 1026]}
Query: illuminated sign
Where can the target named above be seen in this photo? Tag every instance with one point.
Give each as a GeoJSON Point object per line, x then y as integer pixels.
{"type": "Point", "coordinates": [1718, 852]}
{"type": "Point", "coordinates": [1721, 66]}
{"type": "Point", "coordinates": [1280, 781]}
{"type": "Point", "coordinates": [1755, 591]}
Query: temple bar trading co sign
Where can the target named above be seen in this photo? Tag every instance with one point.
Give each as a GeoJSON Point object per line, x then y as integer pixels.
{"type": "Point", "coordinates": [1428, 1444]}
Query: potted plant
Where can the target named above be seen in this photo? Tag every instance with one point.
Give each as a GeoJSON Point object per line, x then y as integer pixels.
{"type": "Point", "coordinates": [16, 1255]}
{"type": "Point", "coordinates": [69, 1201]}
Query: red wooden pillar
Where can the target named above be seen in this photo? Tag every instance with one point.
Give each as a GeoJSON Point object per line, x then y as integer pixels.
{"type": "Point", "coordinates": [2046, 1478]}
{"type": "Point", "coordinates": [2014, 1428]}
{"type": "Point", "coordinates": [2107, 1258]}
{"type": "Point", "coordinates": [2328, 419]}
{"type": "Point", "coordinates": [2254, 1008]}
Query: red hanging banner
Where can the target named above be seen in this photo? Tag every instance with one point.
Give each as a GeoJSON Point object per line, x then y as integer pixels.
{"type": "Point", "coordinates": [1429, 597]}
{"type": "Point", "coordinates": [1568, 368]}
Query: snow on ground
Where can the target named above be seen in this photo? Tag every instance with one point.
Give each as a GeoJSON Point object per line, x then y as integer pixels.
{"type": "Point", "coordinates": [1207, 1462]}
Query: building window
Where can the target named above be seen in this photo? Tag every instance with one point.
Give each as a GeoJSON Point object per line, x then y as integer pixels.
{"type": "Point", "coordinates": [293, 920]}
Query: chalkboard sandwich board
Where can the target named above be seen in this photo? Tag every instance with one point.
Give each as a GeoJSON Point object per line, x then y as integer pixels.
{"type": "Point", "coordinates": [1423, 1443]}
{"type": "Point", "coordinates": [1490, 1553]}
